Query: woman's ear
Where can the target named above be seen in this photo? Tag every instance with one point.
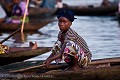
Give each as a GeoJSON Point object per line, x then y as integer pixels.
{"type": "Point", "coordinates": [70, 23]}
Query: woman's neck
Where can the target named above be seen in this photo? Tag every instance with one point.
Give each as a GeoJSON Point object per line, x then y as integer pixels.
{"type": "Point", "coordinates": [64, 31]}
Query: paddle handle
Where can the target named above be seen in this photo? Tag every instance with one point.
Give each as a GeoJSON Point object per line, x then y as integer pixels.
{"type": "Point", "coordinates": [22, 27]}
{"type": "Point", "coordinates": [10, 36]}
{"type": "Point", "coordinates": [25, 69]}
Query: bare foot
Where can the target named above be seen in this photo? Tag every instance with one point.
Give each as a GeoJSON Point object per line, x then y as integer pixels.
{"type": "Point", "coordinates": [33, 45]}
{"type": "Point", "coordinates": [73, 69]}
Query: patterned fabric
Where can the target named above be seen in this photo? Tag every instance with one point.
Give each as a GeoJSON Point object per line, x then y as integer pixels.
{"type": "Point", "coordinates": [17, 12]}
{"type": "Point", "coordinates": [71, 35]}
{"type": "Point", "coordinates": [74, 50]}
{"type": "Point", "coordinates": [3, 49]}
{"type": "Point", "coordinates": [76, 46]}
{"type": "Point", "coordinates": [67, 14]}
{"type": "Point", "coordinates": [56, 50]}
{"type": "Point", "coordinates": [23, 7]}
{"type": "Point", "coordinates": [50, 4]}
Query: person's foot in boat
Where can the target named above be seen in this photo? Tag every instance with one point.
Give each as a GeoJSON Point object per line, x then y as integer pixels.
{"type": "Point", "coordinates": [33, 45]}
{"type": "Point", "coordinates": [72, 63]}
{"type": "Point", "coordinates": [75, 68]}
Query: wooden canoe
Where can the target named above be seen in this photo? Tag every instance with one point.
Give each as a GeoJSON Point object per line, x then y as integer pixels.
{"type": "Point", "coordinates": [95, 63]}
{"type": "Point", "coordinates": [20, 54]}
{"type": "Point", "coordinates": [102, 69]}
{"type": "Point", "coordinates": [31, 26]}
{"type": "Point", "coordinates": [33, 11]}
{"type": "Point", "coordinates": [41, 12]}
{"type": "Point", "coordinates": [93, 11]}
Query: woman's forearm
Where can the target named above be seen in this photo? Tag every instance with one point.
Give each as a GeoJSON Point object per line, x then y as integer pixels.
{"type": "Point", "coordinates": [51, 55]}
{"type": "Point", "coordinates": [55, 57]}
{"type": "Point", "coordinates": [58, 55]}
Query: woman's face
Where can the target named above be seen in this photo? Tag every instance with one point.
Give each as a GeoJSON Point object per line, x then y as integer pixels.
{"type": "Point", "coordinates": [64, 24]}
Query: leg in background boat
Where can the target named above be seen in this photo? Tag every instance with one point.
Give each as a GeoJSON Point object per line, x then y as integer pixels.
{"type": "Point", "coordinates": [32, 45]}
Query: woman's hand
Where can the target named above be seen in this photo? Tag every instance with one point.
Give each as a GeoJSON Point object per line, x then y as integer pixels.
{"type": "Point", "coordinates": [47, 62]}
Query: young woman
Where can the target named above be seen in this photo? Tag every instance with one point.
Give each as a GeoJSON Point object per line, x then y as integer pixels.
{"type": "Point", "coordinates": [69, 47]}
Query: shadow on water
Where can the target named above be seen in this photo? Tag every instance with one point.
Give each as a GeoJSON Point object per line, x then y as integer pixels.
{"type": "Point", "coordinates": [18, 38]}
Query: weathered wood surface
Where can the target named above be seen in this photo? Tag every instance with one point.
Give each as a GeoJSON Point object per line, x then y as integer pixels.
{"type": "Point", "coordinates": [41, 12]}
{"type": "Point", "coordinates": [93, 11]}
{"type": "Point", "coordinates": [31, 26]}
{"type": "Point", "coordinates": [34, 12]}
{"type": "Point", "coordinates": [20, 54]}
{"type": "Point", "coordinates": [98, 70]}
{"type": "Point", "coordinates": [109, 61]}
{"type": "Point", "coordinates": [95, 63]}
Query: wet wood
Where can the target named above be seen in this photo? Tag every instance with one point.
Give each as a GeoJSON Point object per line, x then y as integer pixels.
{"type": "Point", "coordinates": [93, 11]}
{"type": "Point", "coordinates": [94, 63]}
{"type": "Point", "coordinates": [20, 54]}
{"type": "Point", "coordinates": [34, 12]}
{"type": "Point", "coordinates": [56, 72]}
{"type": "Point", "coordinates": [26, 69]}
{"type": "Point", "coordinates": [102, 73]}
{"type": "Point", "coordinates": [41, 12]}
{"type": "Point", "coordinates": [31, 26]}
{"type": "Point", "coordinates": [109, 61]}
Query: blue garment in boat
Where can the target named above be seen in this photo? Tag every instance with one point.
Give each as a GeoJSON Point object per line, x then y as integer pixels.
{"type": "Point", "coordinates": [48, 4]}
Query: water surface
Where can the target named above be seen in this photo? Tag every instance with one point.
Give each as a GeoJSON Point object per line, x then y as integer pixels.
{"type": "Point", "coordinates": [102, 34]}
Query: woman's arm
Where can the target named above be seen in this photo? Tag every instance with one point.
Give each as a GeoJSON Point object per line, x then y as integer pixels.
{"type": "Point", "coordinates": [51, 57]}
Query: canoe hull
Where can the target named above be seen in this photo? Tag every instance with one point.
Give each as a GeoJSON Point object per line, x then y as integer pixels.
{"type": "Point", "coordinates": [31, 26]}
{"type": "Point", "coordinates": [41, 12]}
{"type": "Point", "coordinates": [93, 11]}
{"type": "Point", "coordinates": [18, 56]}
{"type": "Point", "coordinates": [97, 72]}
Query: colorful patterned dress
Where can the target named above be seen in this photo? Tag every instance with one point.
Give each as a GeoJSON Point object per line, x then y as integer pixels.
{"type": "Point", "coordinates": [75, 46]}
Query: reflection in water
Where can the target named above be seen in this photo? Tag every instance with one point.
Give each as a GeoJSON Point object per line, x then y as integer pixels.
{"type": "Point", "coordinates": [18, 38]}
{"type": "Point", "coordinates": [102, 35]}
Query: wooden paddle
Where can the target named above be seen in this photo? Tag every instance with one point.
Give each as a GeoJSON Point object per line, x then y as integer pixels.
{"type": "Point", "coordinates": [25, 69]}
{"type": "Point", "coordinates": [10, 36]}
{"type": "Point", "coordinates": [41, 66]}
